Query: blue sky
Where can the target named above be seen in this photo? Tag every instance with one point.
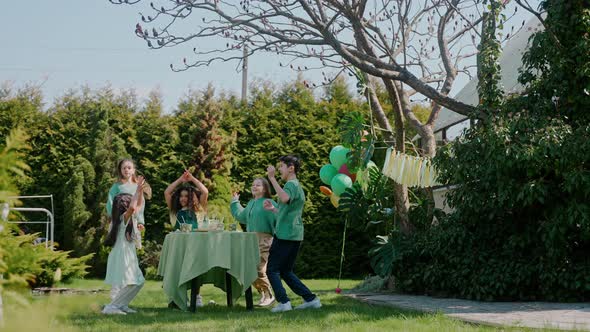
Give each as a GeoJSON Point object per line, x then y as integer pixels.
{"type": "Point", "coordinates": [64, 44]}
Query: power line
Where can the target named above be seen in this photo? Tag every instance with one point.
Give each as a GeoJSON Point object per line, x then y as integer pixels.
{"type": "Point", "coordinates": [153, 69]}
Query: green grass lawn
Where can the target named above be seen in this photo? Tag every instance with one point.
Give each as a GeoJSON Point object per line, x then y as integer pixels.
{"type": "Point", "coordinates": [340, 313]}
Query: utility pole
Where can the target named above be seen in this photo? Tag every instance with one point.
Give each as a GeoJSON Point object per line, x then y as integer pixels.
{"type": "Point", "coordinates": [245, 75]}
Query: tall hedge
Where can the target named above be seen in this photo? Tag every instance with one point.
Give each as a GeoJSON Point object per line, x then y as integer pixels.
{"type": "Point", "coordinates": [77, 140]}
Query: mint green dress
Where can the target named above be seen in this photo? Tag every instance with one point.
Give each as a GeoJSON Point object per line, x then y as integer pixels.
{"type": "Point", "coordinates": [123, 265]}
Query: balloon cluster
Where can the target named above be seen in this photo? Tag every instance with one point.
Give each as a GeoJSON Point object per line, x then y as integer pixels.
{"type": "Point", "coordinates": [336, 174]}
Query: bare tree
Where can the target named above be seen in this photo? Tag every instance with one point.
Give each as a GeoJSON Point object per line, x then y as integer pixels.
{"type": "Point", "coordinates": [415, 48]}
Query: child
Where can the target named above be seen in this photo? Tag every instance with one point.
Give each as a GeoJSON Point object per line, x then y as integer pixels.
{"type": "Point", "coordinates": [127, 184]}
{"type": "Point", "coordinates": [184, 203]}
{"type": "Point", "coordinates": [122, 266]}
{"type": "Point", "coordinates": [258, 220]}
{"type": "Point", "coordinates": [288, 236]}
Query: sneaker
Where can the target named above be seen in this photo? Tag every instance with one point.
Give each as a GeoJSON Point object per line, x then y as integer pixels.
{"type": "Point", "coordinates": [262, 297]}
{"type": "Point", "coordinates": [127, 310]}
{"type": "Point", "coordinates": [282, 307]}
{"type": "Point", "coordinates": [315, 303]}
{"type": "Point", "coordinates": [199, 301]}
{"type": "Point", "coordinates": [266, 300]}
{"type": "Point", "coordinates": [112, 310]}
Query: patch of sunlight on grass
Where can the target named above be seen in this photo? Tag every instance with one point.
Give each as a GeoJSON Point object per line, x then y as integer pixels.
{"type": "Point", "coordinates": [81, 312]}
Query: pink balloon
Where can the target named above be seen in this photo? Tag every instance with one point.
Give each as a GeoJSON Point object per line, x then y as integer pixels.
{"type": "Point", "coordinates": [344, 170]}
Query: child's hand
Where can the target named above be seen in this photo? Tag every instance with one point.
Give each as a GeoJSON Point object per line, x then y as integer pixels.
{"type": "Point", "coordinates": [185, 176]}
{"type": "Point", "coordinates": [270, 170]}
{"type": "Point", "coordinates": [140, 182]}
{"type": "Point", "coordinates": [141, 227]}
{"type": "Point", "coordinates": [268, 205]}
{"type": "Point", "coordinates": [235, 196]}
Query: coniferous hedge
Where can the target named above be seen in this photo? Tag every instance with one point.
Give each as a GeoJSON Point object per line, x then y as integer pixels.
{"type": "Point", "coordinates": [77, 140]}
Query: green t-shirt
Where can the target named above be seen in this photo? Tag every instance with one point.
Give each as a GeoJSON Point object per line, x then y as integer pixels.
{"type": "Point", "coordinates": [289, 220]}
{"type": "Point", "coordinates": [254, 215]}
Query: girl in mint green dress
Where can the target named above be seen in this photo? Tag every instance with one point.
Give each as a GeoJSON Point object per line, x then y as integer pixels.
{"type": "Point", "coordinates": [184, 203]}
{"type": "Point", "coordinates": [127, 184]}
{"type": "Point", "coordinates": [123, 270]}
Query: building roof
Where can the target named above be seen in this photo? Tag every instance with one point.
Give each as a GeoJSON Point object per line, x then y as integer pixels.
{"type": "Point", "coordinates": [510, 62]}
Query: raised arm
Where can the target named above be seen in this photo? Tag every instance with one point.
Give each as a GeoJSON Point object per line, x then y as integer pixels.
{"type": "Point", "coordinates": [168, 192]}
{"type": "Point", "coordinates": [237, 210]}
{"type": "Point", "coordinates": [281, 194]}
{"type": "Point", "coordinates": [137, 200]}
{"type": "Point", "coordinates": [201, 187]}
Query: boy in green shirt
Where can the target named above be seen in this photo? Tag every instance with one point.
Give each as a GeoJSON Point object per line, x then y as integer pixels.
{"type": "Point", "coordinates": [288, 236]}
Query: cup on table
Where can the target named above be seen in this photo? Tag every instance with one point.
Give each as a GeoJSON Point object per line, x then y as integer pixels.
{"type": "Point", "coordinates": [204, 224]}
{"type": "Point", "coordinates": [212, 222]}
{"type": "Point", "coordinates": [186, 227]}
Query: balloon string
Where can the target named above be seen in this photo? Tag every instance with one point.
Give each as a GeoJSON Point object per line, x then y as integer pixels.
{"type": "Point", "coordinates": [342, 252]}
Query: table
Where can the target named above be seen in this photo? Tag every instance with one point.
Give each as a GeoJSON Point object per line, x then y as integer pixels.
{"type": "Point", "coordinates": [226, 259]}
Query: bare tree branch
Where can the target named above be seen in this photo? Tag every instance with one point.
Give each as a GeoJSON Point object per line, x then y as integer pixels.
{"type": "Point", "coordinates": [323, 28]}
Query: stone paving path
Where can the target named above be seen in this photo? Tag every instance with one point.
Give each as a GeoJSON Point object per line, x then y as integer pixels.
{"type": "Point", "coordinates": [563, 316]}
{"type": "Point", "coordinates": [52, 290]}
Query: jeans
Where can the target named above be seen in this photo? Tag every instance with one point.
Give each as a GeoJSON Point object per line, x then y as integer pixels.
{"type": "Point", "coordinates": [281, 262]}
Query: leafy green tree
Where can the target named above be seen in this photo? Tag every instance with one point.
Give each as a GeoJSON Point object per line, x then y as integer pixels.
{"type": "Point", "coordinates": [206, 146]}
{"type": "Point", "coordinates": [157, 160]}
{"type": "Point", "coordinates": [76, 214]}
{"type": "Point", "coordinates": [18, 108]}
{"type": "Point", "coordinates": [521, 208]}
{"type": "Point", "coordinates": [11, 163]}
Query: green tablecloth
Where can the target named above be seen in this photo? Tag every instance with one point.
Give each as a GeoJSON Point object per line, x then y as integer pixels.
{"type": "Point", "coordinates": [207, 256]}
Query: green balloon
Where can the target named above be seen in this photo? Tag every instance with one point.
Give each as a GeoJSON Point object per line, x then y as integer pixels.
{"type": "Point", "coordinates": [327, 172]}
{"type": "Point", "coordinates": [339, 183]}
{"type": "Point", "coordinates": [338, 156]}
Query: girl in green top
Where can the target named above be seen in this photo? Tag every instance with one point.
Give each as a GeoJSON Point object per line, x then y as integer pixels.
{"type": "Point", "coordinates": [184, 202]}
{"type": "Point", "coordinates": [261, 221]}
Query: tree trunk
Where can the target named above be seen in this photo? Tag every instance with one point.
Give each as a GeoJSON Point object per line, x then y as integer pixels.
{"type": "Point", "coordinates": [402, 208]}
{"type": "Point", "coordinates": [429, 150]}
{"type": "Point", "coordinates": [402, 202]}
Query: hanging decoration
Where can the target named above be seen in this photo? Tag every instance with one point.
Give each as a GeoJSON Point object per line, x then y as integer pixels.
{"type": "Point", "coordinates": [409, 170]}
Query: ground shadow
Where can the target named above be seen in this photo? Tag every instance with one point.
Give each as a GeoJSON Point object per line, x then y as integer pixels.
{"type": "Point", "coordinates": [224, 317]}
